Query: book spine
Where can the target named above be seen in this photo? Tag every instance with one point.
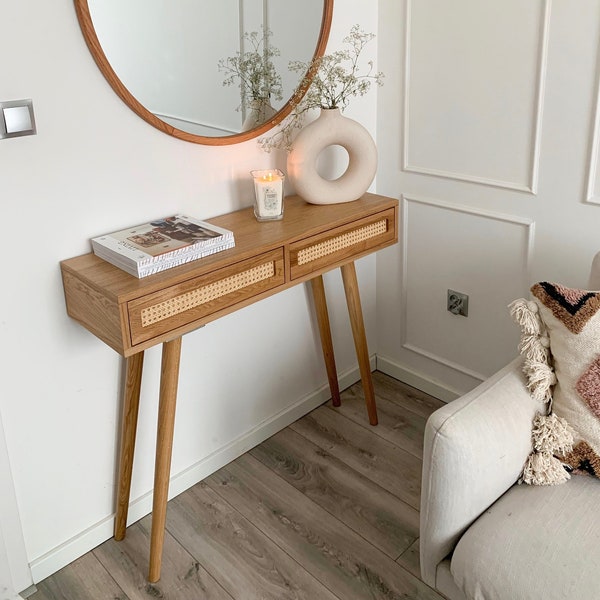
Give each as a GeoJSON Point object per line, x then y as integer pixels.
{"type": "Point", "coordinates": [193, 251]}
{"type": "Point", "coordinates": [144, 271]}
{"type": "Point", "coordinates": [189, 250]}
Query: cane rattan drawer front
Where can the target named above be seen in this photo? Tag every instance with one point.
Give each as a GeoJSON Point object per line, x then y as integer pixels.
{"type": "Point", "coordinates": [188, 304]}
{"type": "Point", "coordinates": [342, 244]}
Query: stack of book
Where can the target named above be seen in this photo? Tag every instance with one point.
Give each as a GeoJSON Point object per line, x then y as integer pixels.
{"type": "Point", "coordinates": [161, 244]}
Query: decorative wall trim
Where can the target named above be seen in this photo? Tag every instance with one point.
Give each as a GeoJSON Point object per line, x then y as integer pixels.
{"type": "Point", "coordinates": [15, 574]}
{"type": "Point", "coordinates": [531, 185]}
{"type": "Point", "coordinates": [443, 361]}
{"type": "Point", "coordinates": [83, 542]}
{"type": "Point", "coordinates": [203, 128]}
{"type": "Point", "coordinates": [592, 193]}
{"type": "Point", "coordinates": [441, 204]}
{"type": "Point", "coordinates": [421, 382]}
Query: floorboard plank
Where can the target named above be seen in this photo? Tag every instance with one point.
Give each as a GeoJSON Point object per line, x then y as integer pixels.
{"type": "Point", "coordinates": [410, 560]}
{"type": "Point", "coordinates": [380, 517]}
{"type": "Point", "coordinates": [402, 427]}
{"type": "Point", "coordinates": [381, 461]}
{"type": "Point", "coordinates": [83, 579]}
{"type": "Point", "coordinates": [182, 577]}
{"type": "Point", "coordinates": [317, 512]}
{"type": "Point", "coordinates": [243, 560]}
{"type": "Point", "coordinates": [342, 560]}
{"type": "Point", "coordinates": [405, 395]}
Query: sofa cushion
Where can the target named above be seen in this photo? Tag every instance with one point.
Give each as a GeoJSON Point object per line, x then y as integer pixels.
{"type": "Point", "coordinates": [534, 543]}
{"type": "Point", "coordinates": [572, 319]}
{"type": "Point", "coordinates": [561, 344]}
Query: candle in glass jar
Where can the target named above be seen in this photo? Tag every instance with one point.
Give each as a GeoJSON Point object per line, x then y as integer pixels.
{"type": "Point", "coordinates": [268, 192]}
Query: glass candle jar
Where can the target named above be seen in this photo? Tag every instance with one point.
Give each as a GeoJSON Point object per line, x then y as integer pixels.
{"type": "Point", "coordinates": [268, 194]}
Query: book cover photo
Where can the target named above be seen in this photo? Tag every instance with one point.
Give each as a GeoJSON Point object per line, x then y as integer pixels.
{"type": "Point", "coordinates": [162, 236]}
{"type": "Point", "coordinates": [161, 244]}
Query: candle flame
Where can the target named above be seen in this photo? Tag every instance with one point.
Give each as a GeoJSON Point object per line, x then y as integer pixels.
{"type": "Point", "coordinates": [267, 176]}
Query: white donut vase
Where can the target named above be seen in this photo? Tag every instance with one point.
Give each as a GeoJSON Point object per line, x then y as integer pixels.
{"type": "Point", "coordinates": [332, 128]}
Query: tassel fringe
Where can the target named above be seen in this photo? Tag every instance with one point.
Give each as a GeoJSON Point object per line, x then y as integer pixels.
{"type": "Point", "coordinates": [552, 434]}
{"type": "Point", "coordinates": [524, 312]}
{"type": "Point", "coordinates": [535, 348]}
{"type": "Point", "coordinates": [542, 468]}
{"type": "Point", "coordinates": [540, 379]}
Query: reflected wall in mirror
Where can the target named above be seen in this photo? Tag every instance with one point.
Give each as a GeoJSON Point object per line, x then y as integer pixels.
{"type": "Point", "coordinates": [162, 58]}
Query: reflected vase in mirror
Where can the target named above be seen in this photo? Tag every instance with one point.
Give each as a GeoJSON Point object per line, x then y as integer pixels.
{"type": "Point", "coordinates": [258, 112]}
{"type": "Point", "coordinates": [254, 73]}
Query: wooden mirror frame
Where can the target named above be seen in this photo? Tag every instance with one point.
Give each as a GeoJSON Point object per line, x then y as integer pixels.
{"type": "Point", "coordinates": [89, 33]}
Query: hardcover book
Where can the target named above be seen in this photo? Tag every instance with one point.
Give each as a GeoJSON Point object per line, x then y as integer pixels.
{"type": "Point", "coordinates": [161, 244]}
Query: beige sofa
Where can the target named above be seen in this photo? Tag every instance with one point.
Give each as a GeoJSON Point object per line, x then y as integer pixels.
{"type": "Point", "coordinates": [482, 535]}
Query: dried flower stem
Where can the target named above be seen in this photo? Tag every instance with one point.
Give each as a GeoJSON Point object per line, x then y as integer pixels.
{"type": "Point", "coordinates": [254, 70]}
{"type": "Point", "coordinates": [328, 81]}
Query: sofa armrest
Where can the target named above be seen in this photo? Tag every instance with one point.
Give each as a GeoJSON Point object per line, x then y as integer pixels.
{"type": "Point", "coordinates": [474, 450]}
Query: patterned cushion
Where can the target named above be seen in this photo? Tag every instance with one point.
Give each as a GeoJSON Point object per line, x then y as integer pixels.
{"type": "Point", "coordinates": [571, 318]}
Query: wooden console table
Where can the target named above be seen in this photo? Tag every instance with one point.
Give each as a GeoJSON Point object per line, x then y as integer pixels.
{"type": "Point", "coordinates": [131, 315]}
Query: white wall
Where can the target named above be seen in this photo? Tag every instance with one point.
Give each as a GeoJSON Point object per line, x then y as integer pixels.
{"type": "Point", "coordinates": [94, 166]}
{"type": "Point", "coordinates": [14, 570]}
{"type": "Point", "coordinates": [486, 131]}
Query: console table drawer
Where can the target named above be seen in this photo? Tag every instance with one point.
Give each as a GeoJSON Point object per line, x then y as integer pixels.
{"type": "Point", "coordinates": [342, 244]}
{"type": "Point", "coordinates": [181, 305]}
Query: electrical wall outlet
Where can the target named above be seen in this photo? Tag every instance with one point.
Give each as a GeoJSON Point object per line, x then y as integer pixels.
{"type": "Point", "coordinates": [458, 303]}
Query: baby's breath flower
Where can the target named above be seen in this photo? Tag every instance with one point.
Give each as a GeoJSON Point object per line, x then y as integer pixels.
{"type": "Point", "coordinates": [254, 70]}
{"type": "Point", "coordinates": [327, 81]}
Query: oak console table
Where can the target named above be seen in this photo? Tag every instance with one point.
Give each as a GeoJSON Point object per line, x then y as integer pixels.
{"type": "Point", "coordinates": [131, 315]}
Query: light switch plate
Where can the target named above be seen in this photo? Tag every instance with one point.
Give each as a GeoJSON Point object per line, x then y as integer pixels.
{"type": "Point", "coordinates": [16, 118]}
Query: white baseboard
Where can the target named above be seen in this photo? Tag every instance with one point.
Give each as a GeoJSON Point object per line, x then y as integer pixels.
{"type": "Point", "coordinates": [101, 531]}
{"type": "Point", "coordinates": [418, 381]}
{"type": "Point", "coordinates": [32, 589]}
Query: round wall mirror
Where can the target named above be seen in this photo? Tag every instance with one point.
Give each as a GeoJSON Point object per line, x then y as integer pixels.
{"type": "Point", "coordinates": [176, 63]}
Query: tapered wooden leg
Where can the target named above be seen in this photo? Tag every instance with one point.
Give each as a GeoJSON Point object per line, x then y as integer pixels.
{"type": "Point", "coordinates": [318, 290]}
{"type": "Point", "coordinates": [360, 339]}
{"type": "Point", "coordinates": [131, 403]}
{"type": "Point", "coordinates": [169, 376]}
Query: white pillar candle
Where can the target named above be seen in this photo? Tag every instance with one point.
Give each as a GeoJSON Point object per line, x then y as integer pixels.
{"type": "Point", "coordinates": [268, 190]}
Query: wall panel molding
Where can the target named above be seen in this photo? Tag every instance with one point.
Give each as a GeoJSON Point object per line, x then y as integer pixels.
{"type": "Point", "coordinates": [442, 361]}
{"type": "Point", "coordinates": [529, 185]}
{"type": "Point", "coordinates": [593, 183]}
{"type": "Point", "coordinates": [526, 257]}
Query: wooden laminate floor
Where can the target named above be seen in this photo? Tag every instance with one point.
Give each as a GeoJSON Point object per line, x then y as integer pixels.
{"type": "Point", "coordinates": [326, 509]}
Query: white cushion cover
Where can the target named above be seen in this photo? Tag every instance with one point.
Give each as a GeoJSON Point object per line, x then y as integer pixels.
{"type": "Point", "coordinates": [572, 319]}
{"type": "Point", "coordinates": [534, 543]}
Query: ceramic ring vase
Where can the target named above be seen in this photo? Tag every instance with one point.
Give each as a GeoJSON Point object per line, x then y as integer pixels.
{"type": "Point", "coordinates": [332, 128]}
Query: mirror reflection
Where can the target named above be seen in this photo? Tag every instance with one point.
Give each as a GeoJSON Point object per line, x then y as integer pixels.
{"type": "Point", "coordinates": [254, 72]}
{"type": "Point", "coordinates": [173, 56]}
